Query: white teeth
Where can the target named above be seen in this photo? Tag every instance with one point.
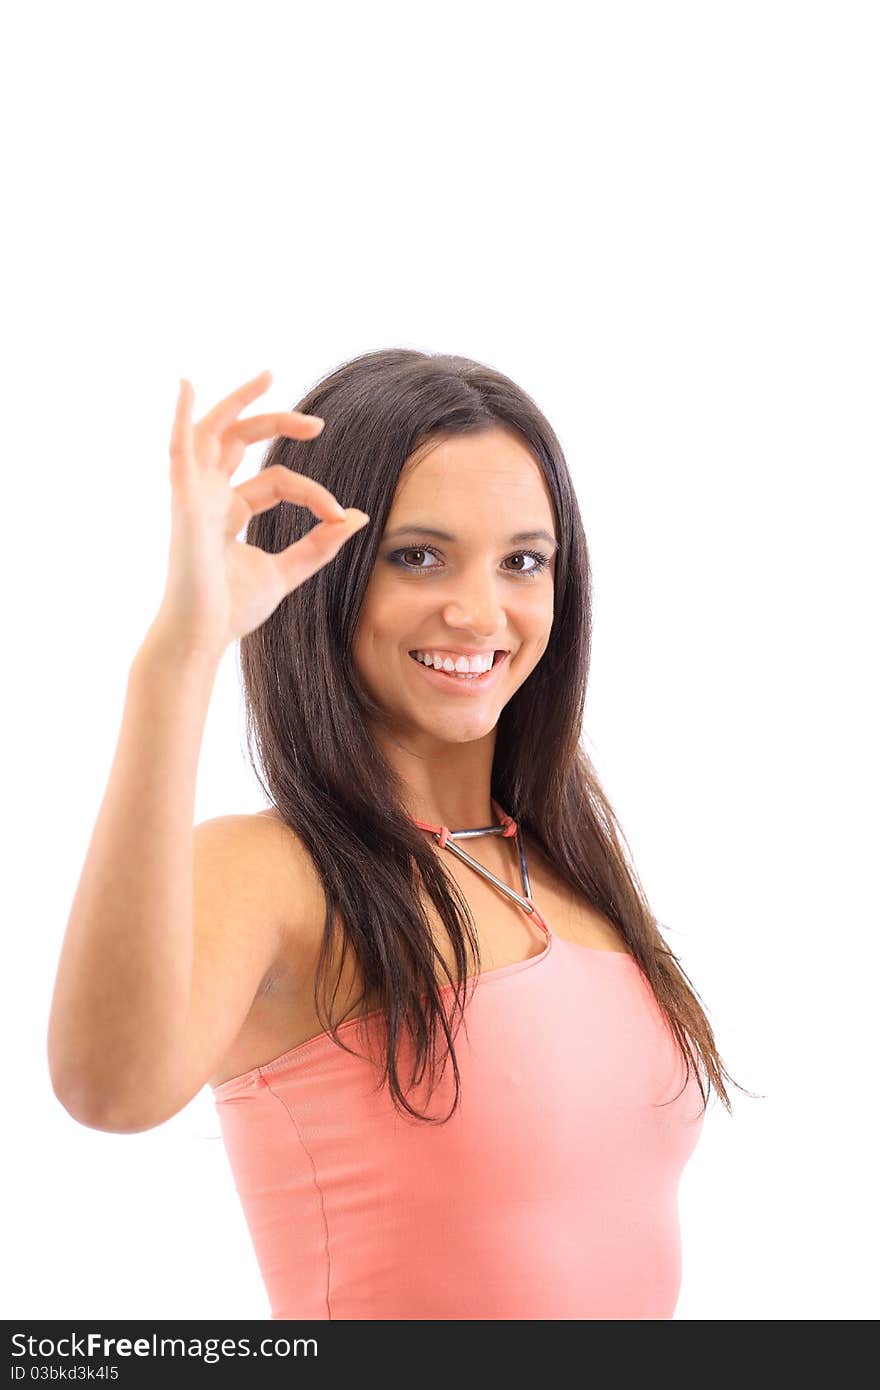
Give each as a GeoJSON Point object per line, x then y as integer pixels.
{"type": "Point", "coordinates": [462, 665]}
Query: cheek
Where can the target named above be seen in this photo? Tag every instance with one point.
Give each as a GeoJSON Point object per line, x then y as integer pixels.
{"type": "Point", "coordinates": [383, 618]}
{"type": "Point", "coordinates": [535, 611]}
{"type": "Point", "coordinates": [389, 611]}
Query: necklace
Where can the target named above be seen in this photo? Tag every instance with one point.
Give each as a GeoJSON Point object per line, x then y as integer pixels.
{"type": "Point", "coordinates": [446, 838]}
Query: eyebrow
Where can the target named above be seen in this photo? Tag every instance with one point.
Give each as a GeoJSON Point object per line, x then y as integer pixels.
{"type": "Point", "coordinates": [415, 529]}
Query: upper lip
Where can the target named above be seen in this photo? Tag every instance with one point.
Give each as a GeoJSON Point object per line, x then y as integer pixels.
{"type": "Point", "coordinates": [462, 651]}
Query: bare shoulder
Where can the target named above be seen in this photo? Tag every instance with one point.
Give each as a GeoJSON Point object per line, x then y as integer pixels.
{"type": "Point", "coordinates": [257, 899]}
{"type": "Point", "coordinates": [285, 850]}
{"type": "Point", "coordinates": [273, 1009]}
{"type": "Point", "coordinates": [253, 875]}
{"type": "Point", "coordinates": [287, 868]}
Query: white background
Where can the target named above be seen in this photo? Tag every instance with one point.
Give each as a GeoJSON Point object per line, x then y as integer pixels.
{"type": "Point", "coordinates": [662, 221]}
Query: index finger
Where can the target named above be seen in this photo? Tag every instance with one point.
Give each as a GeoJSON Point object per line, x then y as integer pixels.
{"type": "Point", "coordinates": [288, 422]}
{"type": "Point", "coordinates": [220, 416]}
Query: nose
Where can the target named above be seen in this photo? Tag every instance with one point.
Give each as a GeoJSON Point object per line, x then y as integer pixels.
{"type": "Point", "coordinates": [476, 608]}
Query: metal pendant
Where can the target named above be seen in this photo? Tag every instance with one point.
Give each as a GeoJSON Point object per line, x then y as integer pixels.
{"type": "Point", "coordinates": [487, 873]}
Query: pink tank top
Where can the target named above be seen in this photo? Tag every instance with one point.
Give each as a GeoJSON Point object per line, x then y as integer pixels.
{"type": "Point", "coordinates": [551, 1193]}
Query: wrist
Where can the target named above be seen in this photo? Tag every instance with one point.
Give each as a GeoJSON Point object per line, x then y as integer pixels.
{"type": "Point", "coordinates": [166, 646]}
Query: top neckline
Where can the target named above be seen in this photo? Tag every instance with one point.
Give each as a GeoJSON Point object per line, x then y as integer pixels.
{"type": "Point", "coordinates": [320, 1045]}
{"type": "Point", "coordinates": [507, 827]}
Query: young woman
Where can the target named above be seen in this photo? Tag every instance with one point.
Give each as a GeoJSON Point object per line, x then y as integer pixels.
{"type": "Point", "coordinates": [458, 1070]}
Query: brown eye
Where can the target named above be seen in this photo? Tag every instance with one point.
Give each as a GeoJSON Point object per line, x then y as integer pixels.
{"type": "Point", "coordinates": [541, 562]}
{"type": "Point", "coordinates": [414, 550]}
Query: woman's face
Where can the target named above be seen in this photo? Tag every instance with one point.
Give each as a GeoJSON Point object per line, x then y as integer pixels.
{"type": "Point", "coordinates": [484, 586]}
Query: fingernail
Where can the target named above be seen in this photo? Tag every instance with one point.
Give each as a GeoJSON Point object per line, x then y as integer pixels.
{"type": "Point", "coordinates": [362, 515]}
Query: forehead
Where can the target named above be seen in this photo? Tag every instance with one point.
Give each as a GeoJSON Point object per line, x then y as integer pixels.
{"type": "Point", "coordinates": [491, 473]}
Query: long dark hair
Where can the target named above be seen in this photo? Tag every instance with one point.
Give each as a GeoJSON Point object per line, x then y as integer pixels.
{"type": "Point", "coordinates": [308, 717]}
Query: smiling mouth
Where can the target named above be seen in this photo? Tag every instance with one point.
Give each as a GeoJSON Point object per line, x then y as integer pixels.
{"type": "Point", "coordinates": [497, 657]}
{"type": "Point", "coordinates": [463, 680]}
